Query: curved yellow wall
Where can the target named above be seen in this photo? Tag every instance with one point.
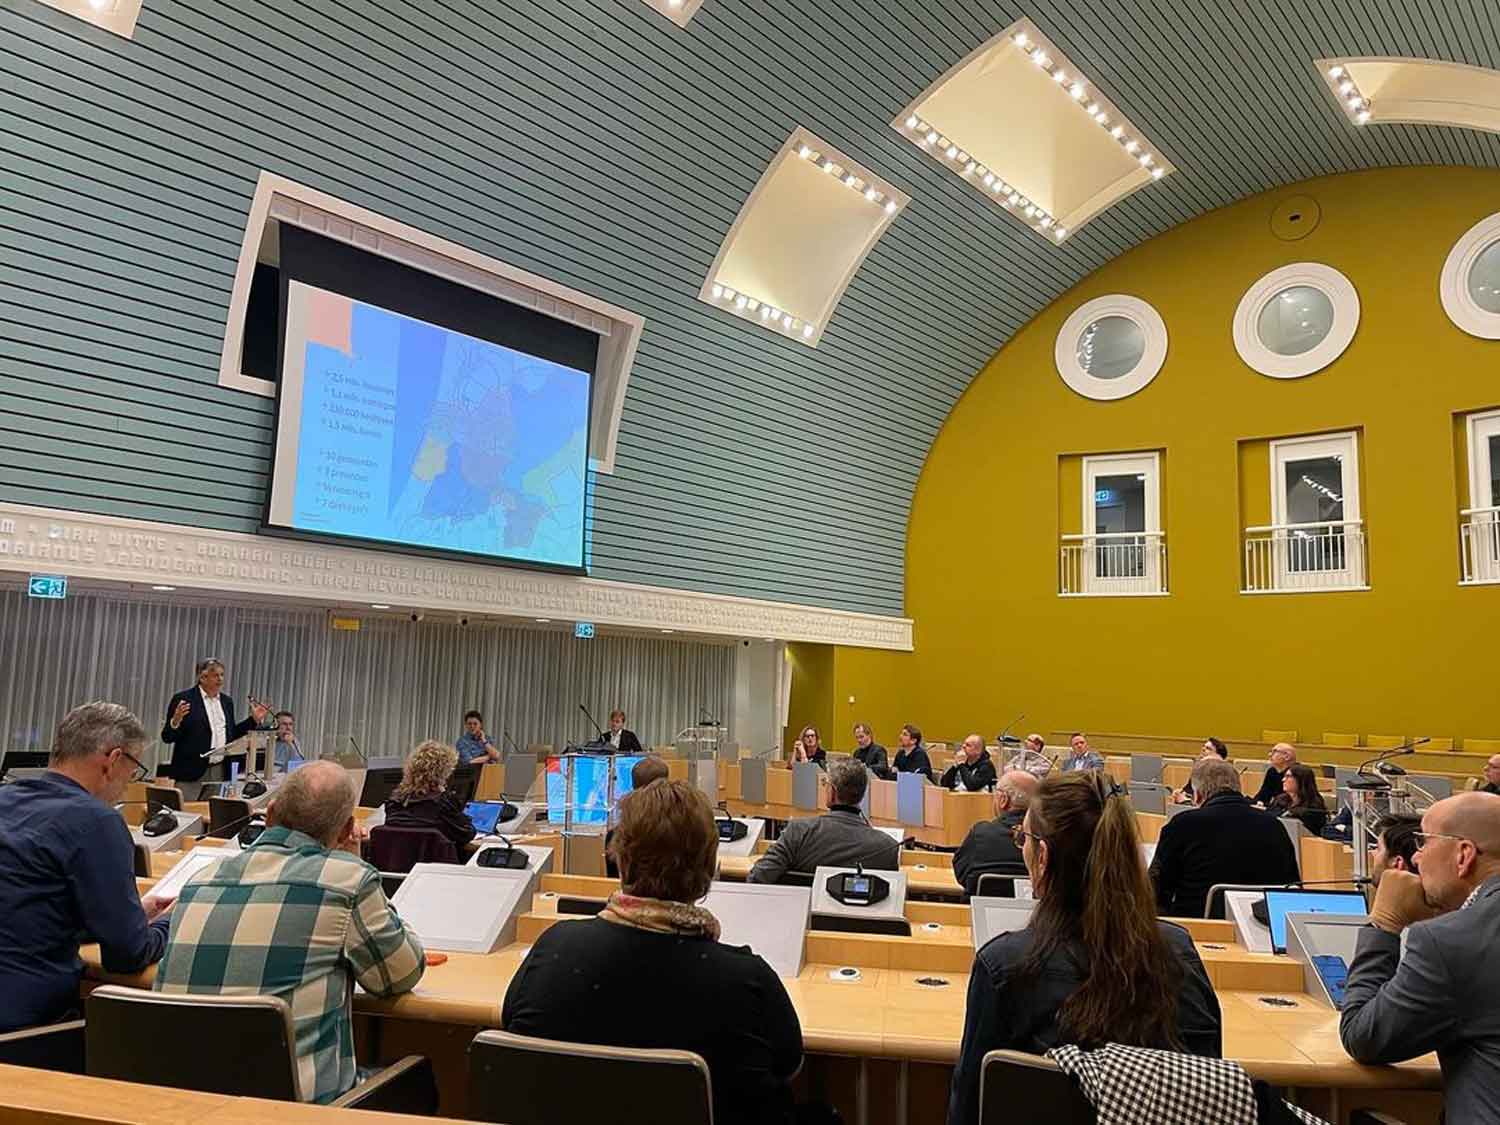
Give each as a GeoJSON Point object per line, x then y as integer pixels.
{"type": "Point", "coordinates": [1416, 654]}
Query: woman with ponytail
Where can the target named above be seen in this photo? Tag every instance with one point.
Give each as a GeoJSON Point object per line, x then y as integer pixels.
{"type": "Point", "coordinates": [1095, 965]}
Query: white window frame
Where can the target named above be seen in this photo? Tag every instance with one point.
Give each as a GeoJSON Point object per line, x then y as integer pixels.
{"type": "Point", "coordinates": [1453, 286]}
{"type": "Point", "coordinates": [1332, 284]}
{"type": "Point", "coordinates": [1123, 464]}
{"type": "Point", "coordinates": [1346, 447]}
{"type": "Point", "coordinates": [1146, 318]}
{"type": "Point", "coordinates": [1481, 515]}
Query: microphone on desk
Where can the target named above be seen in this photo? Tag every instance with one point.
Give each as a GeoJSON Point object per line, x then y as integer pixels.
{"type": "Point", "coordinates": [1005, 738]}
{"type": "Point", "coordinates": [600, 730]}
{"type": "Point", "coordinates": [236, 823]}
{"type": "Point", "coordinates": [363, 757]}
{"type": "Point", "coordinates": [509, 857]}
{"type": "Point", "coordinates": [509, 741]}
{"type": "Point", "coordinates": [730, 829]}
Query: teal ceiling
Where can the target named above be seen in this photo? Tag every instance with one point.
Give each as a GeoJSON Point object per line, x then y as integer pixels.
{"type": "Point", "coordinates": [595, 142]}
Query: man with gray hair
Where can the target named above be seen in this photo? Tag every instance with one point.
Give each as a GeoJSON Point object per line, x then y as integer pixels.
{"type": "Point", "coordinates": [67, 862]}
{"type": "Point", "coordinates": [297, 915]}
{"type": "Point", "coordinates": [841, 837]}
{"type": "Point", "coordinates": [200, 720]}
{"type": "Point", "coordinates": [990, 847]}
{"type": "Point", "coordinates": [1225, 839]}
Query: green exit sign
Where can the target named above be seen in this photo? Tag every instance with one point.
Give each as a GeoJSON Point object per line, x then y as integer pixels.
{"type": "Point", "coordinates": [53, 586]}
{"type": "Point", "coordinates": [583, 630]}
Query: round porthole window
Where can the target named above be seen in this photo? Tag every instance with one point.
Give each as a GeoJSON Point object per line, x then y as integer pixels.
{"type": "Point", "coordinates": [1111, 347]}
{"type": "Point", "coordinates": [1470, 285]}
{"type": "Point", "coordinates": [1484, 278]}
{"type": "Point", "coordinates": [1296, 320]}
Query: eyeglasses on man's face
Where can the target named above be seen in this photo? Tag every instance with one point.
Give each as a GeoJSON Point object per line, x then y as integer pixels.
{"type": "Point", "coordinates": [140, 771]}
{"type": "Point", "coordinates": [1425, 838]}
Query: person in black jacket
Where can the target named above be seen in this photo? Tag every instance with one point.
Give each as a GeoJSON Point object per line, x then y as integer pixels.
{"type": "Point", "coordinates": [422, 799]}
{"type": "Point", "coordinates": [1224, 840]}
{"type": "Point", "coordinates": [973, 770]}
{"type": "Point", "coordinates": [1283, 755]}
{"type": "Point", "coordinates": [912, 757]}
{"type": "Point", "coordinates": [620, 740]}
{"type": "Point", "coordinates": [809, 748]}
{"type": "Point", "coordinates": [1095, 965]}
{"type": "Point", "coordinates": [870, 752]}
{"type": "Point", "coordinates": [201, 719]}
{"type": "Point", "coordinates": [990, 846]}
{"type": "Point", "coordinates": [650, 972]}
{"type": "Point", "coordinates": [1299, 798]}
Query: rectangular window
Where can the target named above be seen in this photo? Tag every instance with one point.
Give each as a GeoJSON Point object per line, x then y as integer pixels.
{"type": "Point", "coordinates": [1316, 537]}
{"type": "Point", "coordinates": [1122, 549]}
{"type": "Point", "coordinates": [1480, 526]}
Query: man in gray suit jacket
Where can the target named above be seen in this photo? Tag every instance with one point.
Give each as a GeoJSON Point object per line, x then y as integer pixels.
{"type": "Point", "coordinates": [1444, 994]}
{"type": "Point", "coordinates": [841, 837]}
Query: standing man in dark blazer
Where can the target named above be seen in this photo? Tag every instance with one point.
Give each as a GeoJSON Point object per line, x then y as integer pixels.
{"type": "Point", "coordinates": [1442, 993]}
{"type": "Point", "coordinates": [1224, 840]}
{"type": "Point", "coordinates": [620, 740]}
{"type": "Point", "coordinates": [201, 719]}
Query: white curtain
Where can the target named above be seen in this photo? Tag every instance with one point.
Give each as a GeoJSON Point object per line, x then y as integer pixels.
{"type": "Point", "coordinates": [388, 686]}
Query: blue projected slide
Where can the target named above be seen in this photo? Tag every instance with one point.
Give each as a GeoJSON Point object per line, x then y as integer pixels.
{"type": "Point", "coordinates": [395, 429]}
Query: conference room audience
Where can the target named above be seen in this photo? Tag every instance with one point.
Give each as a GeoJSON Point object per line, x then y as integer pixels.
{"type": "Point", "coordinates": [643, 773]}
{"type": "Point", "coordinates": [809, 748]}
{"type": "Point", "coordinates": [1299, 798]}
{"type": "Point", "coordinates": [1031, 758]}
{"type": "Point", "coordinates": [1283, 755]}
{"type": "Point", "coordinates": [1094, 965]}
{"type": "Point", "coordinates": [650, 972]}
{"type": "Point", "coordinates": [842, 837]}
{"type": "Point", "coordinates": [1212, 748]}
{"type": "Point", "coordinates": [200, 720]}
{"type": "Point", "coordinates": [297, 915]}
{"type": "Point", "coordinates": [422, 799]}
{"type": "Point", "coordinates": [912, 755]}
{"type": "Point", "coordinates": [1491, 775]}
{"type": "Point", "coordinates": [868, 751]}
{"type": "Point", "coordinates": [990, 846]}
{"type": "Point", "coordinates": [1395, 845]}
{"type": "Point", "coordinates": [973, 770]}
{"type": "Point", "coordinates": [1080, 757]}
{"type": "Point", "coordinates": [66, 857]}
{"type": "Point", "coordinates": [287, 749]}
{"type": "Point", "coordinates": [1441, 992]}
{"type": "Point", "coordinates": [619, 739]}
{"type": "Point", "coordinates": [474, 745]}
{"type": "Point", "coordinates": [1224, 839]}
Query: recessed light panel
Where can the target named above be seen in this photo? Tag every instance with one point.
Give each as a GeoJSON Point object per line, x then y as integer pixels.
{"type": "Point", "coordinates": [1023, 127]}
{"type": "Point", "coordinates": [678, 11]}
{"type": "Point", "coordinates": [799, 237]}
{"type": "Point", "coordinates": [1388, 91]}
{"type": "Point", "coordinates": [118, 16]}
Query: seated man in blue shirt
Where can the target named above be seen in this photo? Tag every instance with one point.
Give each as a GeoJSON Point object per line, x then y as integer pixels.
{"type": "Point", "coordinates": [474, 746]}
{"type": "Point", "coordinates": [69, 876]}
{"type": "Point", "coordinates": [288, 749]}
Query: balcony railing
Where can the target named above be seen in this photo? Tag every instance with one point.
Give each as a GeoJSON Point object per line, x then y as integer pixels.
{"type": "Point", "coordinates": [1113, 563]}
{"type": "Point", "coordinates": [1292, 557]}
{"type": "Point", "coordinates": [1479, 538]}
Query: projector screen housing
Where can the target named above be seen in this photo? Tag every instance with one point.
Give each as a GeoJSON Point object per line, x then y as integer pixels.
{"type": "Point", "coordinates": [416, 412]}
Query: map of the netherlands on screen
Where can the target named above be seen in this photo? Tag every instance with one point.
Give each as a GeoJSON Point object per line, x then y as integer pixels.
{"type": "Point", "coordinates": [418, 434]}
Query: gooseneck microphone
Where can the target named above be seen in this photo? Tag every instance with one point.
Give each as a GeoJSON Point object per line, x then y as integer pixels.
{"type": "Point", "coordinates": [598, 729]}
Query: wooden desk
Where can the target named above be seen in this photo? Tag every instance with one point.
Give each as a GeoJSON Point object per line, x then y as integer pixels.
{"type": "Point", "coordinates": [43, 1096]}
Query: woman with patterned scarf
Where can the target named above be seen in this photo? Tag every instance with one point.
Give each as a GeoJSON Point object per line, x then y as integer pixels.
{"type": "Point", "coordinates": [649, 971]}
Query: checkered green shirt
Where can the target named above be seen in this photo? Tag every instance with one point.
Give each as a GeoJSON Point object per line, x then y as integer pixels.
{"type": "Point", "coordinates": [289, 918]}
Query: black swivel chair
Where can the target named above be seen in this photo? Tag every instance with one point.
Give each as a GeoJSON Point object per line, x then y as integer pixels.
{"type": "Point", "coordinates": [525, 1081]}
{"type": "Point", "coordinates": [126, 1029]}
{"type": "Point", "coordinates": [1010, 1079]}
{"type": "Point", "coordinates": [999, 884]}
{"type": "Point", "coordinates": [226, 816]}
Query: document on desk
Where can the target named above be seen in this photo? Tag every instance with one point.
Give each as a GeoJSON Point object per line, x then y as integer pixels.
{"type": "Point", "coordinates": [199, 859]}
